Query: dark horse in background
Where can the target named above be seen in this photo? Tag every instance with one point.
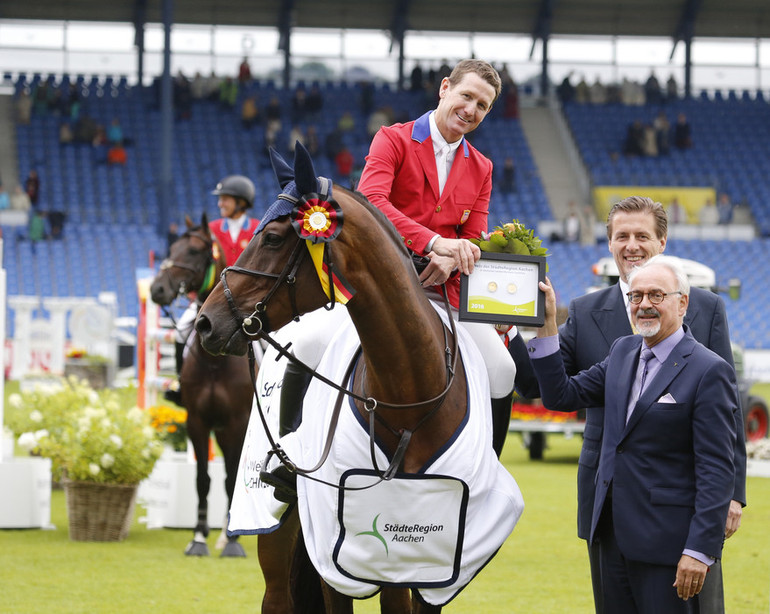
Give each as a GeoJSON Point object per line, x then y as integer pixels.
{"type": "Point", "coordinates": [215, 390]}
{"type": "Point", "coordinates": [405, 346]}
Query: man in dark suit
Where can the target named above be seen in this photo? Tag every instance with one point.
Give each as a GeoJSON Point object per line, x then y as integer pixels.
{"type": "Point", "coordinates": [637, 230]}
{"type": "Point", "coordinates": [666, 473]}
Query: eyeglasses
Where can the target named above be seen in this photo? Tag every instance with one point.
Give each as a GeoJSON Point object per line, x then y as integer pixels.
{"type": "Point", "coordinates": [656, 296]}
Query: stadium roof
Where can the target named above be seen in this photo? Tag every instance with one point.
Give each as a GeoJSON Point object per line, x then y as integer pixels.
{"type": "Point", "coordinates": [678, 19]}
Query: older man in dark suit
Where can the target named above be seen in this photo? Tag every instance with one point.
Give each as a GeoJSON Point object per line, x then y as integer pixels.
{"type": "Point", "coordinates": [666, 472]}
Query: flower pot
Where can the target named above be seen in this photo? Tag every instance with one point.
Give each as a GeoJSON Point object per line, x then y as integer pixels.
{"type": "Point", "coordinates": [99, 512]}
{"type": "Point", "coordinates": [96, 374]}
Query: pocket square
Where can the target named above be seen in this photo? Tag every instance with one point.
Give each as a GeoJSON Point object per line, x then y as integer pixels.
{"type": "Point", "coordinates": [667, 398]}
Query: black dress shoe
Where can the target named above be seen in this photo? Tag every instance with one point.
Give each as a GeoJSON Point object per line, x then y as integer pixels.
{"type": "Point", "coordinates": [175, 396]}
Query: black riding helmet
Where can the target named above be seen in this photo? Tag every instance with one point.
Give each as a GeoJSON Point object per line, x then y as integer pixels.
{"type": "Point", "coordinates": [237, 186]}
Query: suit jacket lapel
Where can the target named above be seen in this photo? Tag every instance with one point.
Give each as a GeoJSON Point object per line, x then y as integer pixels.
{"type": "Point", "coordinates": [611, 317]}
{"type": "Point", "coordinates": [669, 370]}
{"type": "Point", "coordinates": [423, 145]}
{"type": "Point", "coordinates": [617, 415]}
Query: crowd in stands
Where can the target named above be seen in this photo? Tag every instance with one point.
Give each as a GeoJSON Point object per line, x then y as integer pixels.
{"type": "Point", "coordinates": [627, 92]}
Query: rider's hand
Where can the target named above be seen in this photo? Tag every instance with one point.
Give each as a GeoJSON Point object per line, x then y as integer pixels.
{"type": "Point", "coordinates": [464, 253]}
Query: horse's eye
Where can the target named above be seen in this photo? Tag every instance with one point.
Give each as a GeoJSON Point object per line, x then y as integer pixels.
{"type": "Point", "coordinates": [272, 239]}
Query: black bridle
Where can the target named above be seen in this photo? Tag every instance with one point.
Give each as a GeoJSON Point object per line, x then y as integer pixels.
{"type": "Point", "coordinates": [257, 325]}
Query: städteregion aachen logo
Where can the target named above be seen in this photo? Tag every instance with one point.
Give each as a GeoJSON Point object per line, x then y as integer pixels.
{"type": "Point", "coordinates": [375, 533]}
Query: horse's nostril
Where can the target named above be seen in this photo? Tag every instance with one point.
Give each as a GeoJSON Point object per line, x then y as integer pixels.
{"type": "Point", "coordinates": [202, 325]}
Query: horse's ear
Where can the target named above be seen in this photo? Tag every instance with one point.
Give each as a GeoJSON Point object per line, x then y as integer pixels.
{"type": "Point", "coordinates": [304, 172]}
{"type": "Point", "coordinates": [205, 222]}
{"type": "Point", "coordinates": [283, 172]}
{"type": "Point", "coordinates": [188, 222]}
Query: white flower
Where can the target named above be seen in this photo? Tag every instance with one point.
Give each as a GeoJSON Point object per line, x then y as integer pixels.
{"type": "Point", "coordinates": [93, 397]}
{"type": "Point", "coordinates": [84, 423]}
{"type": "Point", "coordinates": [41, 433]}
{"type": "Point", "coordinates": [107, 460]}
{"type": "Point", "coordinates": [148, 432]}
{"type": "Point", "coordinates": [146, 453]}
{"type": "Point", "coordinates": [36, 416]}
{"type": "Point", "coordinates": [94, 469]}
{"type": "Point", "coordinates": [106, 423]}
{"type": "Point", "coordinates": [135, 414]}
{"type": "Point", "coordinates": [28, 441]}
{"type": "Point", "coordinates": [116, 440]}
{"type": "Point", "coordinates": [15, 400]}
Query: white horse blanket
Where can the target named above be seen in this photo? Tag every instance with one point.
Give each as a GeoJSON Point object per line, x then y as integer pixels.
{"type": "Point", "coordinates": [434, 531]}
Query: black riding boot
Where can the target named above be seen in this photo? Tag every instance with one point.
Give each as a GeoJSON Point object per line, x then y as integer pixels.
{"type": "Point", "coordinates": [501, 419]}
{"type": "Point", "coordinates": [293, 388]}
{"type": "Point", "coordinates": [175, 394]}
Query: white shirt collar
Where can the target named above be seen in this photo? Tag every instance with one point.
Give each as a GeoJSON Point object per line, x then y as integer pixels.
{"type": "Point", "coordinates": [438, 139]}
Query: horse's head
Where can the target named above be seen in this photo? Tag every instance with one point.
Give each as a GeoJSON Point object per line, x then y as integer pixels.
{"type": "Point", "coordinates": [190, 266]}
{"type": "Point", "coordinates": [274, 279]}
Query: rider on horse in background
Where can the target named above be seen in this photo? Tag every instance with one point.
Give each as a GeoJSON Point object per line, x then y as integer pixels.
{"type": "Point", "coordinates": [233, 231]}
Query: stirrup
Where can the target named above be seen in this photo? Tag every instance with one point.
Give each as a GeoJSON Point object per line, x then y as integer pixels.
{"type": "Point", "coordinates": [283, 481]}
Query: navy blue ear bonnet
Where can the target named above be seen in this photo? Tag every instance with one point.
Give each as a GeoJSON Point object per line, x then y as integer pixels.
{"type": "Point", "coordinates": [295, 182]}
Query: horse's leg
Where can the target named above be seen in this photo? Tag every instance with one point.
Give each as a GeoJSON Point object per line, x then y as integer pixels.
{"type": "Point", "coordinates": [230, 440]}
{"type": "Point", "coordinates": [420, 607]}
{"type": "Point", "coordinates": [336, 602]}
{"type": "Point", "coordinates": [199, 435]}
{"type": "Point", "coordinates": [275, 552]}
{"type": "Point", "coordinates": [395, 601]}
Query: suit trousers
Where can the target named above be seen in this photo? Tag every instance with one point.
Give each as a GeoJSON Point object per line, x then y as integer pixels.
{"type": "Point", "coordinates": [635, 587]}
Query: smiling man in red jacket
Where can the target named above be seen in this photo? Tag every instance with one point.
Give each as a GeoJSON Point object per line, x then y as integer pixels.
{"type": "Point", "coordinates": [435, 186]}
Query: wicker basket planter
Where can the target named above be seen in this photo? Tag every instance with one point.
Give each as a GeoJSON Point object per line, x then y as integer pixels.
{"type": "Point", "coordinates": [99, 512]}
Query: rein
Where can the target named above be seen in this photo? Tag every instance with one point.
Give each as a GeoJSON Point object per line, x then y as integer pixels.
{"type": "Point", "coordinates": [370, 404]}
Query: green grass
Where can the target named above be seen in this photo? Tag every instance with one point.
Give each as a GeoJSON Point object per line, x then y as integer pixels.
{"type": "Point", "coordinates": [541, 568]}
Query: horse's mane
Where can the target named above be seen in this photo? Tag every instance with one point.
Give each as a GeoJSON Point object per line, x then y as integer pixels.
{"type": "Point", "coordinates": [383, 220]}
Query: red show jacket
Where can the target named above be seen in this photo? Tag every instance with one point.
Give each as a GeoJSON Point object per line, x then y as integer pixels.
{"type": "Point", "coordinates": [233, 249]}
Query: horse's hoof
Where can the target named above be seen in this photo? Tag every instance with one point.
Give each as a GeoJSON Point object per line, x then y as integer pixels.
{"type": "Point", "coordinates": [283, 481]}
{"type": "Point", "coordinates": [195, 548]}
{"type": "Point", "coordinates": [233, 549]}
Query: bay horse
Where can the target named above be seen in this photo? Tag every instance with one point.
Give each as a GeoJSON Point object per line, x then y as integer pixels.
{"type": "Point", "coordinates": [407, 374]}
{"type": "Point", "coordinates": [215, 390]}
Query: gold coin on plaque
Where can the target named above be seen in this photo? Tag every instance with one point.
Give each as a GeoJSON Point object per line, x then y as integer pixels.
{"type": "Point", "coordinates": [512, 288]}
{"type": "Point", "coordinates": [492, 286]}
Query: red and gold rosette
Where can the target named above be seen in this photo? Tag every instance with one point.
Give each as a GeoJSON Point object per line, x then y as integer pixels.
{"type": "Point", "coordinates": [315, 219]}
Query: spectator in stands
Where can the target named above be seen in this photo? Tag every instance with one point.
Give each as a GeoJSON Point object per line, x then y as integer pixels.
{"type": "Point", "coordinates": [115, 132]}
{"type": "Point", "coordinates": [66, 136]}
{"type": "Point", "coordinates": [198, 87]}
{"type": "Point", "coordinates": [249, 112]}
{"type": "Point", "coordinates": [662, 133]}
{"type": "Point", "coordinates": [566, 91]}
{"type": "Point", "coordinates": [100, 146]}
{"type": "Point", "coordinates": [40, 98]}
{"type": "Point", "coordinates": [312, 143]}
{"type": "Point", "coordinates": [244, 71]}
{"type": "Point", "coordinates": [379, 118]}
{"type": "Point", "coordinates": [314, 103]}
{"type": "Point", "coordinates": [652, 92]}
{"type": "Point", "coordinates": [182, 96]}
{"type": "Point", "coordinates": [677, 214]}
{"type": "Point", "coordinates": [333, 144]}
{"type": "Point", "coordinates": [346, 122]}
{"type": "Point", "coordinates": [649, 141]}
{"type": "Point", "coordinates": [510, 98]}
{"type": "Point", "coordinates": [672, 89]}
{"type": "Point", "coordinates": [295, 134]}
{"type": "Point", "coordinates": [709, 214]}
{"type": "Point", "coordinates": [20, 199]}
{"type": "Point", "coordinates": [632, 146]}
{"type": "Point", "coordinates": [366, 97]}
{"type": "Point", "coordinates": [23, 107]}
{"type": "Point", "coordinates": [273, 114]}
{"type": "Point", "coordinates": [597, 93]}
{"type": "Point", "coordinates": [416, 78]}
{"type": "Point", "coordinates": [299, 106]}
{"type": "Point", "coordinates": [344, 161]}
{"type": "Point", "coordinates": [211, 90]}
{"type": "Point", "coordinates": [582, 91]}
{"type": "Point", "coordinates": [682, 132]}
{"type": "Point", "coordinates": [587, 226]}
{"type": "Point", "coordinates": [32, 187]}
{"type": "Point", "coordinates": [571, 231]}
{"type": "Point", "coordinates": [228, 93]}
{"type": "Point", "coordinates": [5, 200]}
{"type": "Point", "coordinates": [116, 154]}
{"type": "Point", "coordinates": [56, 224]}
{"type": "Point", "coordinates": [508, 176]}
{"type": "Point", "coordinates": [725, 209]}
{"type": "Point", "coordinates": [631, 92]}
{"type": "Point", "coordinates": [35, 229]}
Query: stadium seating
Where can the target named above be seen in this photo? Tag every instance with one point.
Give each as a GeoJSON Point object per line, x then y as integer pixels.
{"type": "Point", "coordinates": [112, 212]}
